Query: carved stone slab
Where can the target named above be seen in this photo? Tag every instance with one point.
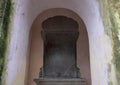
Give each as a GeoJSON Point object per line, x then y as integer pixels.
{"type": "Point", "coordinates": [60, 36]}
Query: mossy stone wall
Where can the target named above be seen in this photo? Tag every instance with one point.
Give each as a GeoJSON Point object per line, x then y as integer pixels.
{"type": "Point", "coordinates": [110, 11]}
{"type": "Point", "coordinates": [5, 9]}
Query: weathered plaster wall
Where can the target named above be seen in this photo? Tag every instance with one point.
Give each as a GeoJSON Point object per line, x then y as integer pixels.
{"type": "Point", "coordinates": [25, 13]}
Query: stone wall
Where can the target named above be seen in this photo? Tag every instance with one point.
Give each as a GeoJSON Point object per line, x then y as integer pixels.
{"type": "Point", "coordinates": [5, 8]}
{"type": "Point", "coordinates": [1, 9]}
{"type": "Point", "coordinates": [110, 11]}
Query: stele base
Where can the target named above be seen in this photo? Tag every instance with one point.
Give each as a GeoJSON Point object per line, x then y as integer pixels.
{"type": "Point", "coordinates": [60, 81]}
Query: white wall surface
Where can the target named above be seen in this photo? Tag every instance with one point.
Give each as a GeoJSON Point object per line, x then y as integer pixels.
{"type": "Point", "coordinates": [25, 13]}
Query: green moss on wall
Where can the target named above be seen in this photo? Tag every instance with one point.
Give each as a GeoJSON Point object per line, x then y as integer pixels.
{"type": "Point", "coordinates": [116, 46]}
{"type": "Point", "coordinates": [110, 10]}
{"type": "Point", "coordinates": [5, 10]}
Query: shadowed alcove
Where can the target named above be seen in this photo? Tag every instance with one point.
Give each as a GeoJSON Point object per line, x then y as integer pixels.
{"type": "Point", "coordinates": [36, 45]}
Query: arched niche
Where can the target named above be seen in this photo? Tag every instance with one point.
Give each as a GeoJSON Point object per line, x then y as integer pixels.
{"type": "Point", "coordinates": [36, 44]}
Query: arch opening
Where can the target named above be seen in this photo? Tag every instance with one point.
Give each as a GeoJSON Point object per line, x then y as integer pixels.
{"type": "Point", "coordinates": [36, 53]}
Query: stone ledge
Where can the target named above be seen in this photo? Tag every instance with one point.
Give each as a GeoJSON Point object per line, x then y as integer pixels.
{"type": "Point", "coordinates": [46, 81]}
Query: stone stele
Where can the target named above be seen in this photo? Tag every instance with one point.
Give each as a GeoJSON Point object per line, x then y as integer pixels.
{"type": "Point", "coordinates": [60, 36]}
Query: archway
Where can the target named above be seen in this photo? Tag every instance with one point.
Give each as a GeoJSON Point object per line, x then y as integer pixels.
{"type": "Point", "coordinates": [36, 52]}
